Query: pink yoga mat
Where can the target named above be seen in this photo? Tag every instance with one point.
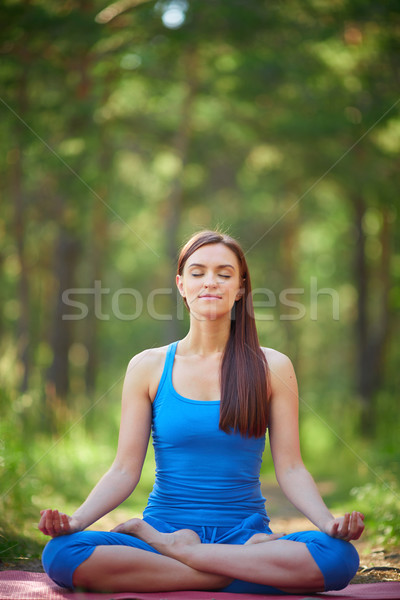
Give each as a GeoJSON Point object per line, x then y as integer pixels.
{"type": "Point", "coordinates": [22, 585]}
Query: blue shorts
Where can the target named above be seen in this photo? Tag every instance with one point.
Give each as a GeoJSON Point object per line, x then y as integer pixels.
{"type": "Point", "coordinates": [337, 560]}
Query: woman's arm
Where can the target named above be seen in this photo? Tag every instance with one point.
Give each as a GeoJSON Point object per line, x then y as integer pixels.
{"type": "Point", "coordinates": [121, 479]}
{"type": "Point", "coordinates": [292, 476]}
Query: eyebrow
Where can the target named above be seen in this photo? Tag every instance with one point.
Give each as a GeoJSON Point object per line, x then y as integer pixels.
{"type": "Point", "coordinates": [218, 267]}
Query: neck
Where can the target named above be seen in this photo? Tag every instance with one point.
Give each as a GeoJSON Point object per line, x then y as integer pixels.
{"type": "Point", "coordinates": [206, 337]}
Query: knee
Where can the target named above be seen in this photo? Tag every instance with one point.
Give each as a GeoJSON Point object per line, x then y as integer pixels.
{"type": "Point", "coordinates": [98, 576]}
{"type": "Point", "coordinates": [85, 579]}
{"type": "Point", "coordinates": [60, 556]}
{"type": "Point", "coordinates": [49, 554]}
{"type": "Point", "coordinates": [337, 560]}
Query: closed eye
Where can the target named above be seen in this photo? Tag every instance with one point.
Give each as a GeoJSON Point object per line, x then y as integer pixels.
{"type": "Point", "coordinates": [219, 275]}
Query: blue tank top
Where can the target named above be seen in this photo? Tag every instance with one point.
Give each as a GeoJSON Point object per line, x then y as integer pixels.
{"type": "Point", "coordinates": [204, 476]}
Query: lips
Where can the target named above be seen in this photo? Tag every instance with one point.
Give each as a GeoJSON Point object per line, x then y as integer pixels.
{"type": "Point", "coordinates": [212, 296]}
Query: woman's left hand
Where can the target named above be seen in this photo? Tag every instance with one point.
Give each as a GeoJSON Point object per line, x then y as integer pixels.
{"type": "Point", "coordinates": [349, 527]}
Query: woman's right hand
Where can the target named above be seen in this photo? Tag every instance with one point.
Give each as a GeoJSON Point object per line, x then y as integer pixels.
{"type": "Point", "coordinates": [55, 523]}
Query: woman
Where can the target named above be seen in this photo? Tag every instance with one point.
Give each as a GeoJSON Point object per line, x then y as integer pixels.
{"type": "Point", "coordinates": [208, 400]}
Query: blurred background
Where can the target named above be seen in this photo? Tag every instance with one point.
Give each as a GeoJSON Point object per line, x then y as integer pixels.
{"type": "Point", "coordinates": [127, 126]}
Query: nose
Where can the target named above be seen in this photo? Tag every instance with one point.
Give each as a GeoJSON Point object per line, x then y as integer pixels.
{"type": "Point", "coordinates": [210, 280]}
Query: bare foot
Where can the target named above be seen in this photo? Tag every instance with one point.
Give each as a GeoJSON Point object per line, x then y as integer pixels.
{"type": "Point", "coordinates": [259, 538]}
{"type": "Point", "coordinates": [169, 544]}
{"type": "Point", "coordinates": [131, 527]}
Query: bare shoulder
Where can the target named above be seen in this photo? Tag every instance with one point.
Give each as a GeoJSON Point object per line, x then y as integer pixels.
{"type": "Point", "coordinates": [281, 370]}
{"type": "Point", "coordinates": [148, 359]}
{"type": "Point", "coordinates": [145, 369]}
{"type": "Point", "coordinates": [276, 359]}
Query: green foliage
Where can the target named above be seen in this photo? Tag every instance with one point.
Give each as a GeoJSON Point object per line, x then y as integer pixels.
{"type": "Point", "coordinates": [380, 502]}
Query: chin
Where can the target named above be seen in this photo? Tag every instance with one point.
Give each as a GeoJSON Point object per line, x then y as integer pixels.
{"type": "Point", "coordinates": [208, 315]}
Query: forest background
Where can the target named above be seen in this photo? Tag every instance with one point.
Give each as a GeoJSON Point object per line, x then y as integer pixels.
{"type": "Point", "coordinates": [125, 127]}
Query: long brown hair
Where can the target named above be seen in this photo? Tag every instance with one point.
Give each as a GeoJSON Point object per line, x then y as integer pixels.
{"type": "Point", "coordinates": [244, 369]}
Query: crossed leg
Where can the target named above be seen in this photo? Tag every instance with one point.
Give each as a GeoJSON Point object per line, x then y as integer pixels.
{"type": "Point", "coordinates": [264, 559]}
{"type": "Point", "coordinates": [127, 569]}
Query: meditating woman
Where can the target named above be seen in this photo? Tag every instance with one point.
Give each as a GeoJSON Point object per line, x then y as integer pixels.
{"type": "Point", "coordinates": [208, 400]}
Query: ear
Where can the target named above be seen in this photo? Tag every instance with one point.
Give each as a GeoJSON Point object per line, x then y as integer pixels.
{"type": "Point", "coordinates": [179, 285]}
{"type": "Point", "coordinates": [240, 294]}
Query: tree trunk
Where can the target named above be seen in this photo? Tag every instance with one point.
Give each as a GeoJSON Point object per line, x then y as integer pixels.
{"type": "Point", "coordinates": [17, 193]}
{"type": "Point", "coordinates": [98, 247]}
{"type": "Point", "coordinates": [361, 279]}
{"type": "Point", "coordinates": [61, 334]}
{"type": "Point", "coordinates": [371, 335]}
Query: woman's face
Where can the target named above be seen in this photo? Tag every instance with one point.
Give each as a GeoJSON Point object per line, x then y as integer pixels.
{"type": "Point", "coordinates": [211, 282]}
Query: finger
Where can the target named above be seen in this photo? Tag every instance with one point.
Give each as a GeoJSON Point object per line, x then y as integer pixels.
{"type": "Point", "coordinates": [344, 528]}
{"type": "Point", "coordinates": [357, 521]}
{"type": "Point", "coordinates": [56, 521]}
{"type": "Point", "coordinates": [53, 523]}
{"type": "Point", "coordinates": [353, 526]}
{"type": "Point", "coordinates": [44, 521]}
{"type": "Point", "coordinates": [41, 524]}
{"type": "Point", "coordinates": [358, 525]}
{"type": "Point", "coordinates": [61, 524]}
{"type": "Point", "coordinates": [65, 524]}
{"type": "Point", "coordinates": [335, 528]}
{"type": "Point", "coordinates": [49, 520]}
